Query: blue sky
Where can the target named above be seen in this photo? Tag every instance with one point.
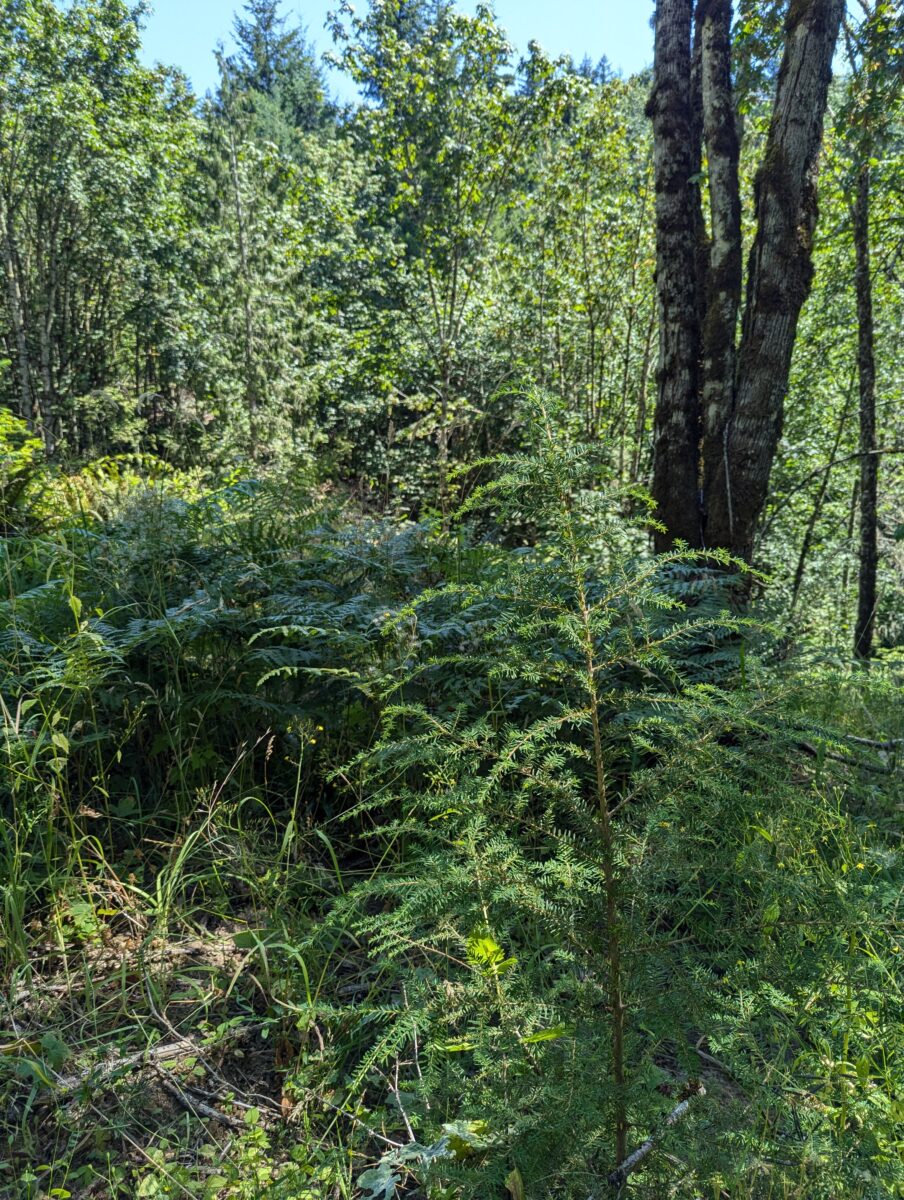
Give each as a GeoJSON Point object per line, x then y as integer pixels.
{"type": "Point", "coordinates": [184, 32]}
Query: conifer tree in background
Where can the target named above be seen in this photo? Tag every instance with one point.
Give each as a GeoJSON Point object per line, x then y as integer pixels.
{"type": "Point", "coordinates": [276, 74]}
{"type": "Point", "coordinates": [270, 103]}
{"type": "Point", "coordinates": [265, 48]}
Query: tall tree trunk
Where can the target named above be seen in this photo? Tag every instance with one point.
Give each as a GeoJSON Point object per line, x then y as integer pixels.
{"type": "Point", "coordinates": [816, 511]}
{"type": "Point", "coordinates": [252, 398]}
{"type": "Point", "coordinates": [677, 423]}
{"type": "Point", "coordinates": [725, 267]}
{"type": "Point", "coordinates": [869, 459]}
{"type": "Point", "coordinates": [49, 407]}
{"type": "Point", "coordinates": [719, 410]}
{"type": "Point", "coordinates": [17, 315]}
{"type": "Point", "coordinates": [779, 274]}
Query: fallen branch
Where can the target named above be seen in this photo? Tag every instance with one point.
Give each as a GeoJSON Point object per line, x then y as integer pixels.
{"type": "Point", "coordinates": [197, 1107]}
{"type": "Point", "coordinates": [99, 1075]}
{"type": "Point", "coordinates": [888, 747]}
{"type": "Point", "coordinates": [860, 763]}
{"type": "Point", "coordinates": [619, 1177]}
{"type": "Point", "coordinates": [720, 1066]}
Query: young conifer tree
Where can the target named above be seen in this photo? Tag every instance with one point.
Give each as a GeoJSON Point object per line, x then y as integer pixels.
{"type": "Point", "coordinates": [575, 811]}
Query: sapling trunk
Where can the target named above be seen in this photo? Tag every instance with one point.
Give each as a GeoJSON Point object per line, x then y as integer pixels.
{"type": "Point", "coordinates": [610, 880]}
{"type": "Point", "coordinates": [610, 875]}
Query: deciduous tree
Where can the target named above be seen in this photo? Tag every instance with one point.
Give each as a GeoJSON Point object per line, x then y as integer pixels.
{"type": "Point", "coordinates": [720, 400]}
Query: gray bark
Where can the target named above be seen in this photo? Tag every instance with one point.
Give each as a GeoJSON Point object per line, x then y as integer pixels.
{"type": "Point", "coordinates": [16, 315]}
{"type": "Point", "coordinates": [780, 272]}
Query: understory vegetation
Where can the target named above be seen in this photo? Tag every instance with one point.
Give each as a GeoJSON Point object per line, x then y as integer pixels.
{"type": "Point", "coordinates": [331, 840]}
{"type": "Point", "coordinates": [380, 816]}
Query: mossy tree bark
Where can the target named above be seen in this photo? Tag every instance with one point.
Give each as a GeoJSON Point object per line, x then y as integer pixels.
{"type": "Point", "coordinates": [675, 165]}
{"type": "Point", "coordinates": [720, 404]}
{"type": "Point", "coordinates": [869, 459]}
{"type": "Point", "coordinates": [17, 316]}
{"type": "Point", "coordinates": [874, 92]}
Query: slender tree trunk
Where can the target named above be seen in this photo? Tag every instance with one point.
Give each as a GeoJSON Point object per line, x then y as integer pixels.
{"type": "Point", "coordinates": [17, 316]}
{"type": "Point", "coordinates": [816, 511]}
{"type": "Point", "coordinates": [442, 437]}
{"type": "Point", "coordinates": [641, 414]}
{"type": "Point", "coordinates": [846, 571]}
{"type": "Point", "coordinates": [633, 316]}
{"type": "Point", "coordinates": [869, 459]}
{"type": "Point", "coordinates": [677, 424]}
{"type": "Point", "coordinates": [49, 407]}
{"type": "Point", "coordinates": [251, 394]}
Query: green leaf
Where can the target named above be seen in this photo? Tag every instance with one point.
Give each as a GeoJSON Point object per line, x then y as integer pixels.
{"type": "Point", "coordinates": [467, 1137]}
{"type": "Point", "coordinates": [546, 1035]}
{"type": "Point", "coordinates": [55, 1050]}
{"type": "Point", "coordinates": [379, 1183]}
{"type": "Point", "coordinates": [514, 1185]}
{"type": "Point", "coordinates": [250, 939]}
{"type": "Point", "coordinates": [485, 953]}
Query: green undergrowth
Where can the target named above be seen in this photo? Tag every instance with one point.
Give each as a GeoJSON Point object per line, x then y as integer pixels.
{"type": "Point", "coordinates": [349, 858]}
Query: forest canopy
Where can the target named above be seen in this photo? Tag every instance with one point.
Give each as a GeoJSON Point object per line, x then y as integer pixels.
{"type": "Point", "coordinates": [452, 609]}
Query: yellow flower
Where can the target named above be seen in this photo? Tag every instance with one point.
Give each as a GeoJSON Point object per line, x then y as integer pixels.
{"type": "Point", "coordinates": [860, 867]}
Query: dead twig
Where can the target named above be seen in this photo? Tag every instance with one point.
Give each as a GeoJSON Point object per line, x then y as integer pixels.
{"type": "Point", "coordinates": [888, 747]}
{"type": "Point", "coordinates": [861, 764]}
{"type": "Point", "coordinates": [101, 1074]}
{"type": "Point", "coordinates": [197, 1107]}
{"type": "Point", "coordinates": [619, 1177]}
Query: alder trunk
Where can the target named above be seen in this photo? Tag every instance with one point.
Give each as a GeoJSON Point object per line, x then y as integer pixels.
{"type": "Point", "coordinates": [869, 459]}
{"type": "Point", "coordinates": [16, 315]}
{"type": "Point", "coordinates": [721, 400]}
{"type": "Point", "coordinates": [677, 421]}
